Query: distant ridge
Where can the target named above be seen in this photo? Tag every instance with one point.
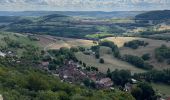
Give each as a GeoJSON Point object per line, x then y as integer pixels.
{"type": "Point", "coordinates": [154, 15]}
{"type": "Point", "coordinates": [98, 14]}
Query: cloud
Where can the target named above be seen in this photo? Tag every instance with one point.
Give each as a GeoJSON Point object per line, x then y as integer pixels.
{"type": "Point", "coordinates": [106, 5]}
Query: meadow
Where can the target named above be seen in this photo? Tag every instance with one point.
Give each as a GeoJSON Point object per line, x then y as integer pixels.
{"type": "Point", "coordinates": [153, 44]}
{"type": "Point", "coordinates": [110, 62]}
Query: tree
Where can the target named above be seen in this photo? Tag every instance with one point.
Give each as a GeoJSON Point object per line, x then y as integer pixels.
{"type": "Point", "coordinates": [136, 93]}
{"type": "Point", "coordinates": [97, 55]}
{"type": "Point", "coordinates": [109, 73]}
{"type": "Point", "coordinates": [114, 47]}
{"type": "Point", "coordinates": [81, 48]}
{"type": "Point", "coordinates": [135, 60]}
{"type": "Point", "coordinates": [101, 60]}
{"type": "Point", "coordinates": [36, 83]}
{"type": "Point", "coordinates": [146, 56]}
{"type": "Point", "coordinates": [74, 49]}
{"type": "Point", "coordinates": [52, 66]}
{"type": "Point", "coordinates": [143, 91]}
{"type": "Point", "coordinates": [84, 65]}
{"type": "Point", "coordinates": [120, 77]}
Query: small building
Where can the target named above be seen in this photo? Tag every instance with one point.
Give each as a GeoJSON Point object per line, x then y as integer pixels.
{"type": "Point", "coordinates": [104, 83]}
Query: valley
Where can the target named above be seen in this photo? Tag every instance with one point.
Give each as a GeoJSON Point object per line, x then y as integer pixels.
{"type": "Point", "coordinates": [85, 55]}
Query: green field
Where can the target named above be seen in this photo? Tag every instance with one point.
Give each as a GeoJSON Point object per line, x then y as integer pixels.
{"type": "Point", "coordinates": [110, 61]}
{"type": "Point", "coordinates": [101, 35]}
{"type": "Point", "coordinates": [162, 89]}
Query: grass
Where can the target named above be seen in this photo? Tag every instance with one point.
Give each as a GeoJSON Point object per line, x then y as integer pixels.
{"type": "Point", "coordinates": [110, 61]}
{"type": "Point", "coordinates": [162, 89]}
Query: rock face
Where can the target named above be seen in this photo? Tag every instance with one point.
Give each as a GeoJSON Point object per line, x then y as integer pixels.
{"type": "Point", "coordinates": [1, 98]}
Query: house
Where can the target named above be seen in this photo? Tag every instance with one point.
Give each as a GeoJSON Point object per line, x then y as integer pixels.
{"type": "Point", "coordinates": [133, 81]}
{"type": "Point", "coordinates": [104, 83]}
{"type": "Point", "coordinates": [45, 64]}
{"type": "Point", "coordinates": [2, 54]}
{"type": "Point", "coordinates": [71, 73]}
{"type": "Point", "coordinates": [168, 98]}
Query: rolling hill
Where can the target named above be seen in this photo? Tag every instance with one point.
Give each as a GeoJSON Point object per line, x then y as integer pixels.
{"type": "Point", "coordinates": [60, 25]}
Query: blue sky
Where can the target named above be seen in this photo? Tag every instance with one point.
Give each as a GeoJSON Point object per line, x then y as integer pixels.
{"type": "Point", "coordinates": [83, 5]}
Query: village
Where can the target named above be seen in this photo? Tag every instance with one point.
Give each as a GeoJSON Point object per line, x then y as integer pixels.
{"type": "Point", "coordinates": [74, 73]}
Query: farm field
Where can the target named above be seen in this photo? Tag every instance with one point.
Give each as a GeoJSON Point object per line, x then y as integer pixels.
{"type": "Point", "coordinates": [110, 62]}
{"type": "Point", "coordinates": [58, 42]}
{"type": "Point", "coordinates": [153, 44]}
{"type": "Point", "coordinates": [162, 89]}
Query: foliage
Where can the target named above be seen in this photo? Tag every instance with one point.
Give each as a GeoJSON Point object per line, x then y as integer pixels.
{"type": "Point", "coordinates": [101, 60]}
{"type": "Point", "coordinates": [135, 44]}
{"type": "Point", "coordinates": [151, 32]}
{"type": "Point", "coordinates": [137, 61]}
{"type": "Point", "coordinates": [155, 76]}
{"type": "Point", "coordinates": [162, 53]}
{"type": "Point", "coordinates": [61, 55]}
{"type": "Point", "coordinates": [146, 56]}
{"type": "Point", "coordinates": [143, 91]}
{"type": "Point", "coordinates": [32, 84]}
{"type": "Point", "coordinates": [110, 44]}
{"type": "Point", "coordinates": [119, 77]}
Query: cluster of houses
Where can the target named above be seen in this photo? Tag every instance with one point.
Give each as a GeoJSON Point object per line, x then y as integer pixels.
{"type": "Point", "coordinates": [74, 73]}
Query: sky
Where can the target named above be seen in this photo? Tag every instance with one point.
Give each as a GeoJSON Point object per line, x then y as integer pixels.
{"type": "Point", "coordinates": [84, 5]}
